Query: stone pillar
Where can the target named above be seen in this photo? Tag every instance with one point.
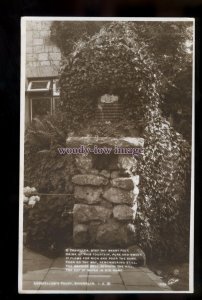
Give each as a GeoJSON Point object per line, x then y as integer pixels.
{"type": "Point", "coordinates": [105, 191]}
{"type": "Point", "coordinates": [105, 204]}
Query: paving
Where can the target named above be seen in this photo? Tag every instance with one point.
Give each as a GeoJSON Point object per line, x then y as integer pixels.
{"type": "Point", "coordinates": [42, 274]}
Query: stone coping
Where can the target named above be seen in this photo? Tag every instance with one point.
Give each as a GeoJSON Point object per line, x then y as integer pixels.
{"type": "Point", "coordinates": [119, 142]}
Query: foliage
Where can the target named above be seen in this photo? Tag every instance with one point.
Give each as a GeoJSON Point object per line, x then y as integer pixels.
{"type": "Point", "coordinates": [111, 62]}
{"type": "Point", "coordinates": [44, 167]}
{"type": "Point", "coordinates": [29, 200]}
{"type": "Point", "coordinates": [67, 34]}
{"type": "Point", "coordinates": [118, 60]}
{"type": "Point", "coordinates": [164, 200]}
{"type": "Point", "coordinates": [49, 225]}
{"type": "Point", "coordinates": [173, 59]}
{"type": "Point", "coordinates": [121, 129]}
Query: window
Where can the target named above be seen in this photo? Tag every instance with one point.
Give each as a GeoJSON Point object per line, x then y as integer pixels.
{"type": "Point", "coordinates": [40, 107]}
{"type": "Point", "coordinates": [56, 90]}
{"type": "Point", "coordinates": [43, 97]}
{"type": "Point", "coordinates": [39, 85]}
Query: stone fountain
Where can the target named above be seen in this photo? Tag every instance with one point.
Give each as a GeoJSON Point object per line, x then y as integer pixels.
{"type": "Point", "coordinates": [106, 192]}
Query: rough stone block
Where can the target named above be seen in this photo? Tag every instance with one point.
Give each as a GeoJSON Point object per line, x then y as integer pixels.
{"type": "Point", "coordinates": [32, 57]}
{"type": "Point", "coordinates": [136, 191]}
{"type": "Point", "coordinates": [123, 183]}
{"type": "Point", "coordinates": [114, 174]}
{"type": "Point", "coordinates": [92, 230]}
{"type": "Point", "coordinates": [112, 233]}
{"type": "Point", "coordinates": [94, 171]}
{"type": "Point", "coordinates": [136, 179]}
{"type": "Point", "coordinates": [105, 173]}
{"type": "Point", "coordinates": [84, 213]}
{"type": "Point", "coordinates": [80, 234]}
{"type": "Point", "coordinates": [37, 42]}
{"type": "Point", "coordinates": [45, 63]}
{"type": "Point", "coordinates": [112, 142]}
{"type": "Point", "coordinates": [48, 48]}
{"type": "Point", "coordinates": [113, 164]}
{"type": "Point", "coordinates": [44, 33]}
{"type": "Point", "coordinates": [38, 49]}
{"type": "Point", "coordinates": [36, 25]}
{"type": "Point", "coordinates": [36, 64]}
{"type": "Point", "coordinates": [107, 204]}
{"type": "Point", "coordinates": [134, 207]}
{"type": "Point", "coordinates": [116, 195]}
{"type": "Point", "coordinates": [54, 56]}
{"type": "Point", "coordinates": [45, 25]}
{"type": "Point", "coordinates": [128, 163]}
{"type": "Point", "coordinates": [88, 194]}
{"type": "Point", "coordinates": [56, 62]}
{"type": "Point", "coordinates": [123, 212]}
{"type": "Point", "coordinates": [36, 33]}
{"type": "Point", "coordinates": [84, 162]}
{"type": "Point", "coordinates": [89, 180]}
{"type": "Point", "coordinates": [43, 56]}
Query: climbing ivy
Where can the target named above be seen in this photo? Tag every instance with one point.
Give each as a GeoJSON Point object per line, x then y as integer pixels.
{"type": "Point", "coordinates": [169, 44]}
{"type": "Point", "coordinates": [112, 61]}
{"type": "Point", "coordinates": [117, 61]}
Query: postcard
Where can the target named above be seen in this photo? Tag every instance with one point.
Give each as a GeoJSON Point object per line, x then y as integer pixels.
{"type": "Point", "coordinates": [106, 155]}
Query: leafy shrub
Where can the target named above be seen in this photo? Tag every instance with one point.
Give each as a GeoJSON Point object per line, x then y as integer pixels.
{"type": "Point", "coordinates": [49, 225]}
{"type": "Point", "coordinates": [44, 167]}
{"type": "Point", "coordinates": [29, 200]}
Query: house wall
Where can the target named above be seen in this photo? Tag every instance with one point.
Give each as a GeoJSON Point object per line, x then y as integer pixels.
{"type": "Point", "coordinates": [40, 51]}
{"type": "Point", "coordinates": [43, 57]}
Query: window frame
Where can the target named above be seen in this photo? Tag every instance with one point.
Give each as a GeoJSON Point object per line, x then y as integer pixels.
{"type": "Point", "coordinates": [56, 93]}
{"type": "Point", "coordinates": [50, 92]}
{"type": "Point", "coordinates": [46, 89]}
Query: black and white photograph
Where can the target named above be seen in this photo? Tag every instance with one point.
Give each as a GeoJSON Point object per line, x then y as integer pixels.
{"type": "Point", "coordinates": [106, 201]}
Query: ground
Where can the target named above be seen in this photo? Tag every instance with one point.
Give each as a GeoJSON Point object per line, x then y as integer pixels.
{"type": "Point", "coordinates": [41, 273]}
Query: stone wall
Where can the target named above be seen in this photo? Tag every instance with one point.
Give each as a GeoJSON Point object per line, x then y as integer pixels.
{"type": "Point", "coordinates": [105, 200]}
{"type": "Point", "coordinates": [40, 51]}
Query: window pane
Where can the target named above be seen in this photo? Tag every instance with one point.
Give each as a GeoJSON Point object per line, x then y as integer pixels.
{"type": "Point", "coordinates": [41, 107]}
{"type": "Point", "coordinates": [35, 85]}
